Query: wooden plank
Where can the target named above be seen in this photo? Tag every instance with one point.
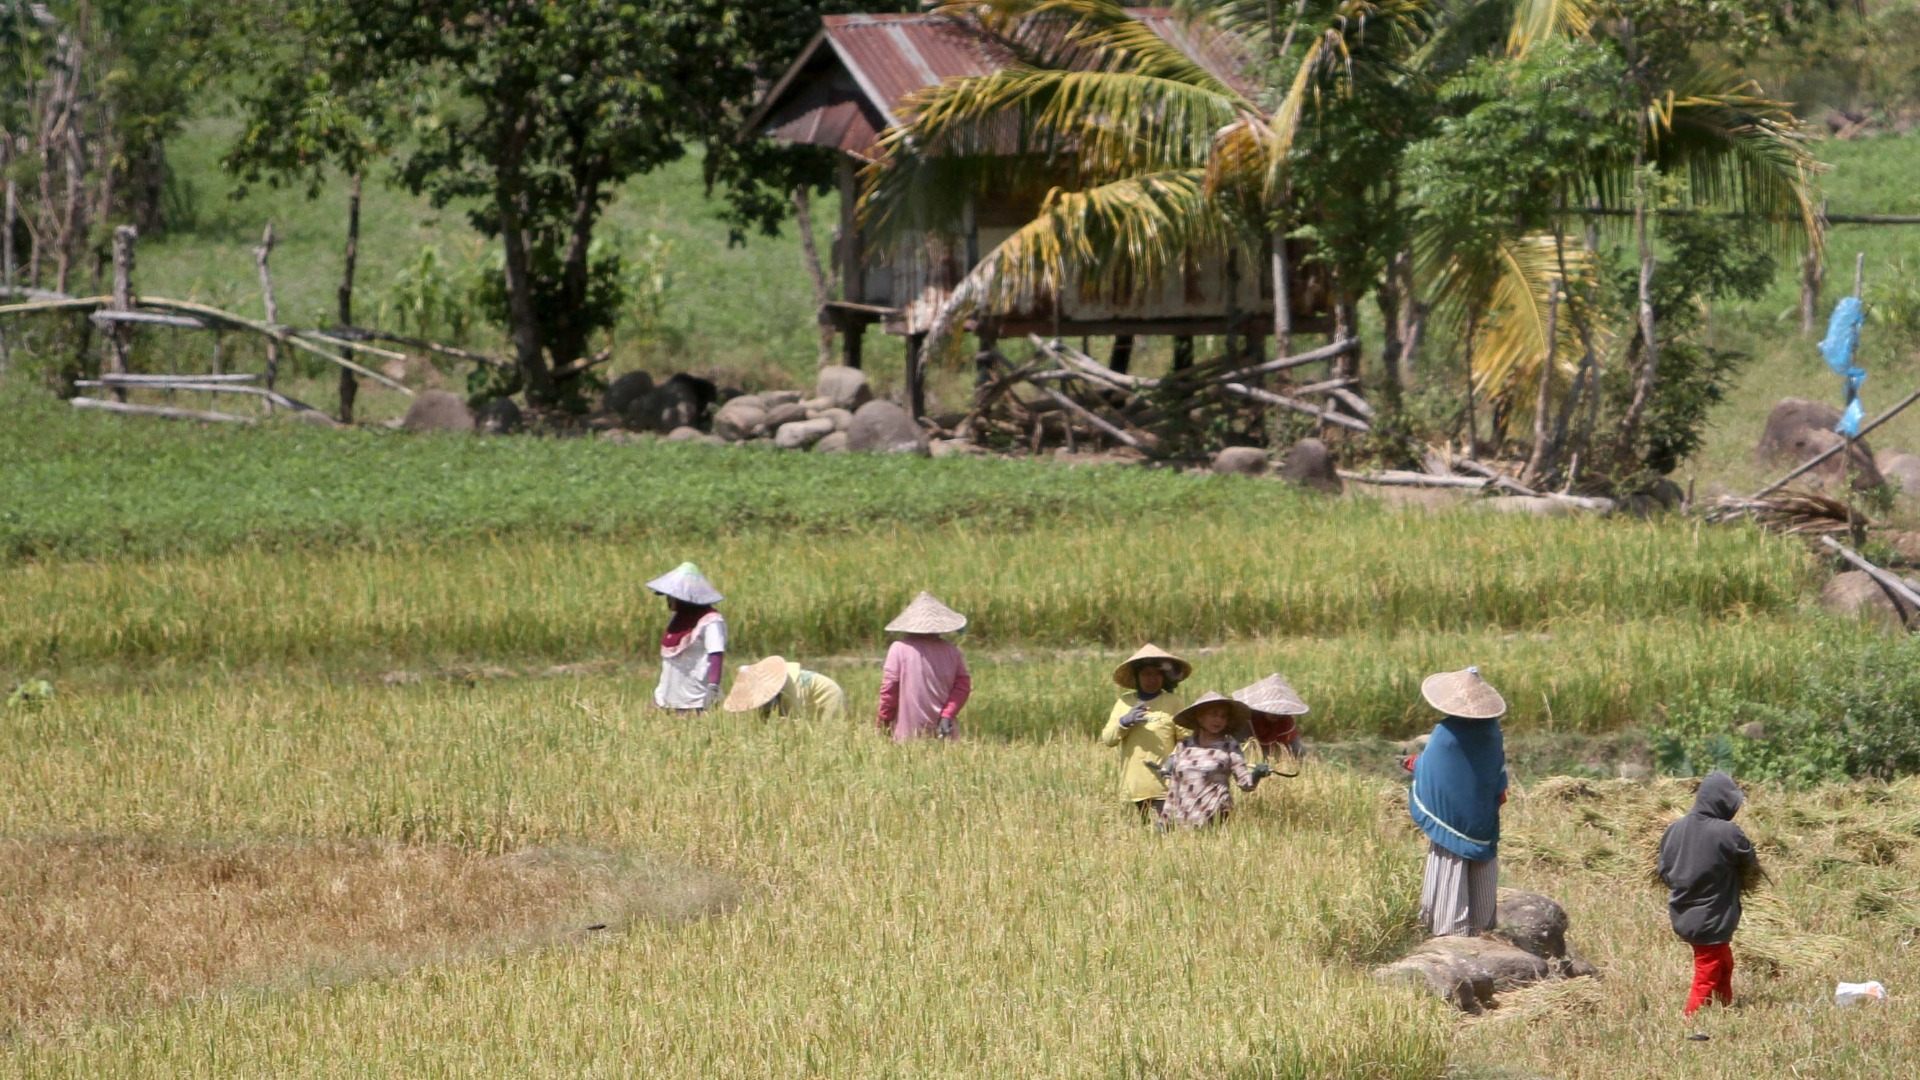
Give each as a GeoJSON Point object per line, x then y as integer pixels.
{"type": "Point", "coordinates": [1282, 363]}
{"type": "Point", "coordinates": [167, 412]}
{"type": "Point", "coordinates": [1904, 599]}
{"type": "Point", "coordinates": [159, 380]}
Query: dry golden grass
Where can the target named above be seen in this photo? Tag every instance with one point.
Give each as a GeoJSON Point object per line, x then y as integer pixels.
{"type": "Point", "coordinates": [99, 925]}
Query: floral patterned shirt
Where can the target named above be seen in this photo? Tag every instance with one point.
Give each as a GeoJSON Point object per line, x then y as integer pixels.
{"type": "Point", "coordinates": [1198, 778]}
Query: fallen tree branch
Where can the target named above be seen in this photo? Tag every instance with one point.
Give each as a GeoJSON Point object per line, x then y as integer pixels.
{"type": "Point", "coordinates": [362, 333]}
{"type": "Point", "coordinates": [164, 411]}
{"type": "Point", "coordinates": [1282, 363]}
{"type": "Point", "coordinates": [1270, 398]}
{"type": "Point", "coordinates": [202, 387]}
{"type": "Point", "coordinates": [1906, 603]}
{"type": "Point", "coordinates": [1078, 409]}
{"type": "Point", "coordinates": [1398, 478]}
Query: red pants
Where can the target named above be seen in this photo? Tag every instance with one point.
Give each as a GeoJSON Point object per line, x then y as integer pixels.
{"type": "Point", "coordinates": [1712, 976]}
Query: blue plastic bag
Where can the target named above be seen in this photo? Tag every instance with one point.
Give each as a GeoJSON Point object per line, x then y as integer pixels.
{"type": "Point", "coordinates": [1843, 337]}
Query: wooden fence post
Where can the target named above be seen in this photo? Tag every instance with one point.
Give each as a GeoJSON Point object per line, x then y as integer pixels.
{"type": "Point", "coordinates": [120, 334]}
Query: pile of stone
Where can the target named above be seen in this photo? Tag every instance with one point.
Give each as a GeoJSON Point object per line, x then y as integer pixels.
{"type": "Point", "coordinates": [1529, 946]}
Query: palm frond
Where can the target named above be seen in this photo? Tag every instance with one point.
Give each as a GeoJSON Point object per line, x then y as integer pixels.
{"type": "Point", "coordinates": [1105, 239]}
{"type": "Point", "coordinates": [1742, 151]}
{"type": "Point", "coordinates": [1512, 286]}
{"type": "Point", "coordinates": [1097, 35]}
{"type": "Point", "coordinates": [1535, 21]}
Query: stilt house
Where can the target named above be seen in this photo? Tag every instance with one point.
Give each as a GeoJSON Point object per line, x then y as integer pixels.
{"type": "Point", "coordinates": [848, 86]}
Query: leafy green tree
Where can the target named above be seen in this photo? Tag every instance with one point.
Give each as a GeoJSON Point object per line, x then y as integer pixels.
{"type": "Point", "coordinates": [530, 116]}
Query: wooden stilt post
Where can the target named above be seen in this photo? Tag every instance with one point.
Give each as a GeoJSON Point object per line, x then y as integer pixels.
{"type": "Point", "coordinates": [1182, 352]}
{"type": "Point", "coordinates": [916, 375]}
{"type": "Point", "coordinates": [260, 256]}
{"type": "Point", "coordinates": [850, 341]}
{"type": "Point", "coordinates": [1122, 358]}
{"type": "Point", "coordinates": [349, 387]}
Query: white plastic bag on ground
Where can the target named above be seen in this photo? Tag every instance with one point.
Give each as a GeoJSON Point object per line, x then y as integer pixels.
{"type": "Point", "coordinates": [1847, 993]}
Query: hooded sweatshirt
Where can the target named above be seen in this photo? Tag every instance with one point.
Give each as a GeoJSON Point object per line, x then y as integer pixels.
{"type": "Point", "coordinates": [1702, 859]}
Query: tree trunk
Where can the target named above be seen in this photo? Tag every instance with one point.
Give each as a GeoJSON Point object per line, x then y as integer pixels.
{"type": "Point", "coordinates": [1473, 330]}
{"type": "Point", "coordinates": [1541, 436]}
{"type": "Point", "coordinates": [1282, 296]}
{"type": "Point", "coordinates": [523, 321]}
{"type": "Point", "coordinates": [1812, 275]}
{"type": "Point", "coordinates": [568, 336]}
{"type": "Point", "coordinates": [349, 386]}
{"type": "Point", "coordinates": [816, 272]}
{"type": "Point", "coordinates": [261, 259]}
{"type": "Point", "coordinates": [1649, 344]}
{"type": "Point", "coordinates": [120, 335]}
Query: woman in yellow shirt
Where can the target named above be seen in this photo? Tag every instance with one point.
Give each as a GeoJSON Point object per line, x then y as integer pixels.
{"type": "Point", "coordinates": [777, 685]}
{"type": "Point", "coordinates": [1141, 724]}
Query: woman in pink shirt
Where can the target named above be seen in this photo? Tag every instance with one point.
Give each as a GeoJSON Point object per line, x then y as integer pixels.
{"type": "Point", "coordinates": [924, 682]}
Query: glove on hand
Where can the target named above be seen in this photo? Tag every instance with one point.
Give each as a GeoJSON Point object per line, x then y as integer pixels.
{"type": "Point", "coordinates": [713, 694]}
{"type": "Point", "coordinates": [1136, 715]}
{"type": "Point", "coordinates": [1158, 768]}
{"type": "Point", "coordinates": [945, 730]}
{"type": "Point", "coordinates": [1261, 772]}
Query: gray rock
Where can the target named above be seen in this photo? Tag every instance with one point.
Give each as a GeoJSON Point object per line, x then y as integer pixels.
{"type": "Point", "coordinates": [1537, 505]}
{"type": "Point", "coordinates": [1752, 729]}
{"type": "Point", "coordinates": [1240, 461]}
{"type": "Point", "coordinates": [800, 434]}
{"type": "Point", "coordinates": [1310, 465]}
{"type": "Point", "coordinates": [785, 413]}
{"type": "Point", "coordinates": [945, 448]}
{"type": "Point", "coordinates": [1903, 470]}
{"type": "Point", "coordinates": [437, 410]}
{"type": "Point", "coordinates": [817, 405]}
{"type": "Point", "coordinates": [685, 434]}
{"type": "Point", "coordinates": [881, 427]}
{"type": "Point", "coordinates": [499, 416]}
{"type": "Point", "coordinates": [1798, 429]}
{"type": "Point", "coordinates": [844, 387]}
{"type": "Point", "coordinates": [836, 443]}
{"type": "Point", "coordinates": [623, 437]}
{"type": "Point", "coordinates": [1529, 946]}
{"type": "Point", "coordinates": [681, 401]}
{"type": "Point", "coordinates": [626, 390]}
{"type": "Point", "coordinates": [842, 419]}
{"type": "Point", "coordinates": [776, 398]}
{"type": "Point", "coordinates": [740, 419]}
{"type": "Point", "coordinates": [1853, 594]}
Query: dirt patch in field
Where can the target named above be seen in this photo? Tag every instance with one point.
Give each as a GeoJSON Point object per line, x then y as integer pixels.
{"type": "Point", "coordinates": [106, 925]}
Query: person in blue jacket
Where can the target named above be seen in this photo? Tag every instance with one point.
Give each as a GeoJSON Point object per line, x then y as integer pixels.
{"type": "Point", "coordinates": [1459, 784]}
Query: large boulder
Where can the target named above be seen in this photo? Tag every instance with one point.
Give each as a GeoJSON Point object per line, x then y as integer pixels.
{"type": "Point", "coordinates": [1855, 595]}
{"type": "Point", "coordinates": [1903, 471]}
{"type": "Point", "coordinates": [843, 387]}
{"type": "Point", "coordinates": [1240, 461]}
{"type": "Point", "coordinates": [1798, 429]}
{"type": "Point", "coordinates": [776, 398]}
{"type": "Point", "coordinates": [800, 434]}
{"type": "Point", "coordinates": [842, 419]}
{"type": "Point", "coordinates": [1309, 464]}
{"type": "Point", "coordinates": [626, 390]}
{"type": "Point", "coordinates": [499, 416]}
{"type": "Point", "coordinates": [740, 419]}
{"type": "Point", "coordinates": [835, 443]}
{"type": "Point", "coordinates": [679, 402]}
{"type": "Point", "coordinates": [881, 427]}
{"type": "Point", "coordinates": [437, 410]}
{"type": "Point", "coordinates": [1529, 946]}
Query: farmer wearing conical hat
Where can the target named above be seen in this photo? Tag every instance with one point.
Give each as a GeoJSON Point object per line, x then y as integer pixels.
{"type": "Point", "coordinates": [779, 686]}
{"type": "Point", "coordinates": [1204, 766]}
{"type": "Point", "coordinates": [1141, 723]}
{"type": "Point", "coordinates": [1274, 706]}
{"type": "Point", "coordinates": [924, 683]}
{"type": "Point", "coordinates": [1459, 784]}
{"type": "Point", "coordinates": [694, 645]}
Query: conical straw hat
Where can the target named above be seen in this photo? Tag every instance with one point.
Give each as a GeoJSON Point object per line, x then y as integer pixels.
{"type": "Point", "coordinates": [1271, 695]}
{"type": "Point", "coordinates": [757, 685]}
{"type": "Point", "coordinates": [687, 584]}
{"type": "Point", "coordinates": [1463, 694]}
{"type": "Point", "coordinates": [1240, 718]}
{"type": "Point", "coordinates": [1124, 675]}
{"type": "Point", "coordinates": [927, 615]}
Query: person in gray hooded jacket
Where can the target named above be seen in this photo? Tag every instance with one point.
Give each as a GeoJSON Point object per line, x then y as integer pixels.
{"type": "Point", "coordinates": [1706, 861]}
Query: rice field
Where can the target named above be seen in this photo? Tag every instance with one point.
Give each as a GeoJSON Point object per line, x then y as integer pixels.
{"type": "Point", "coordinates": [292, 805]}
